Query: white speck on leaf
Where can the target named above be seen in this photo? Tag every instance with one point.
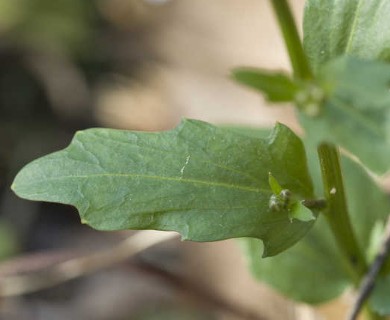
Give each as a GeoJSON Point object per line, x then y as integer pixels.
{"type": "Point", "coordinates": [183, 168]}
{"type": "Point", "coordinates": [333, 190]}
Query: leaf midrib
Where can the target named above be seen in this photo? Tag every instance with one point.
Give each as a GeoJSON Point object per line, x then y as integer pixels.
{"type": "Point", "coordinates": [162, 178]}
{"type": "Point", "coordinates": [353, 27]}
{"type": "Point", "coordinates": [155, 149]}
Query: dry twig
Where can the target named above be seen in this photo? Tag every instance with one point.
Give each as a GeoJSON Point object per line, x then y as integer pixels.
{"type": "Point", "coordinates": [196, 291]}
{"type": "Point", "coordinates": [41, 271]}
{"type": "Point", "coordinates": [18, 284]}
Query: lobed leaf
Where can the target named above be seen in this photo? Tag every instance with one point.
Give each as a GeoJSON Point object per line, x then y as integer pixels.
{"type": "Point", "coordinates": [207, 183]}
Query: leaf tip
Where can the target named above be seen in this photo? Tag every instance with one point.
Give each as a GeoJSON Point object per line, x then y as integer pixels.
{"type": "Point", "coordinates": [274, 184]}
{"type": "Point", "coordinates": [15, 186]}
{"type": "Point", "coordinates": [266, 250]}
{"type": "Point", "coordinates": [235, 72]}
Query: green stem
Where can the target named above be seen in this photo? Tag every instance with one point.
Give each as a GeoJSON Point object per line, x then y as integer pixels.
{"type": "Point", "coordinates": [292, 40]}
{"type": "Point", "coordinates": [337, 212]}
{"type": "Point", "coordinates": [337, 216]}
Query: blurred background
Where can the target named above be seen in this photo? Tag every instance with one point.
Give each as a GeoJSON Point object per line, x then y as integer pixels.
{"type": "Point", "coordinates": [68, 65]}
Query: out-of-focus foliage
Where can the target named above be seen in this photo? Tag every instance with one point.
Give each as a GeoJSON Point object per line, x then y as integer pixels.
{"type": "Point", "coordinates": [62, 26]}
{"type": "Point", "coordinates": [8, 245]}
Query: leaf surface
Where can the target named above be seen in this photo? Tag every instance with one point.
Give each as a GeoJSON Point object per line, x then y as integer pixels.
{"type": "Point", "coordinates": [356, 110]}
{"type": "Point", "coordinates": [380, 296]}
{"type": "Point", "coordinates": [207, 183]}
{"type": "Point", "coordinates": [336, 27]}
{"type": "Point", "coordinates": [276, 86]}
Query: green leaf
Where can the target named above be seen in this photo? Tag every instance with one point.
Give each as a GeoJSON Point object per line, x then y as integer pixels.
{"type": "Point", "coordinates": [379, 299]}
{"type": "Point", "coordinates": [274, 184]}
{"type": "Point", "coordinates": [67, 27]}
{"type": "Point", "coordinates": [252, 132]}
{"type": "Point", "coordinates": [276, 87]}
{"type": "Point", "coordinates": [356, 110]}
{"type": "Point", "coordinates": [300, 212]}
{"type": "Point", "coordinates": [314, 271]}
{"type": "Point", "coordinates": [282, 198]}
{"type": "Point", "coordinates": [310, 272]}
{"type": "Point", "coordinates": [207, 183]}
{"type": "Point", "coordinates": [356, 28]}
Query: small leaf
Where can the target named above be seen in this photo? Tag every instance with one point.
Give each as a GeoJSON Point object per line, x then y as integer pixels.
{"type": "Point", "coordinates": [356, 28]}
{"type": "Point", "coordinates": [276, 87]}
{"type": "Point", "coordinates": [356, 113]}
{"type": "Point", "coordinates": [300, 212]}
{"type": "Point", "coordinates": [284, 199]}
{"type": "Point", "coordinates": [205, 182]}
{"type": "Point", "coordinates": [274, 184]}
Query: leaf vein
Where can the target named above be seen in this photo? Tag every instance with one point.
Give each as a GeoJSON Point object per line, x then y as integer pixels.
{"type": "Point", "coordinates": [353, 27]}
{"type": "Point", "coordinates": [175, 179]}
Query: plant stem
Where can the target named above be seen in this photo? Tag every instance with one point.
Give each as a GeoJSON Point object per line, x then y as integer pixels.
{"type": "Point", "coordinates": [338, 217]}
{"type": "Point", "coordinates": [337, 212]}
{"type": "Point", "coordinates": [292, 40]}
{"type": "Point", "coordinates": [13, 284]}
{"type": "Point", "coordinates": [316, 204]}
